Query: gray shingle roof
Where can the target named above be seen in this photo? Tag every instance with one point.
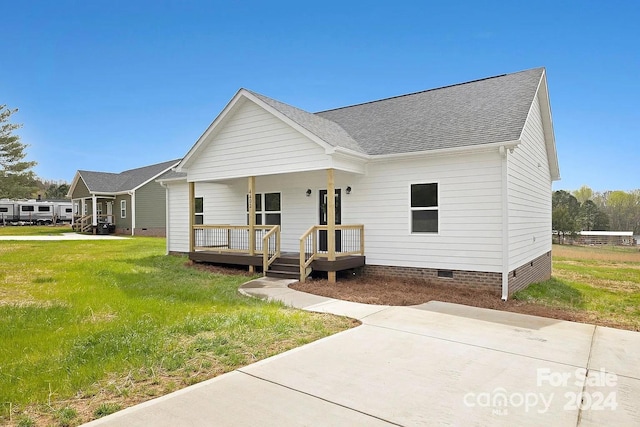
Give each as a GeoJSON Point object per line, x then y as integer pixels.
{"type": "Point", "coordinates": [106, 182]}
{"type": "Point", "coordinates": [479, 112]}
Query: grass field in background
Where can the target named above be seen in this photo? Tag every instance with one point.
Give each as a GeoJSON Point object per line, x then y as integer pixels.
{"type": "Point", "coordinates": [34, 230]}
{"type": "Point", "coordinates": [603, 281]}
{"type": "Point", "coordinates": [88, 327]}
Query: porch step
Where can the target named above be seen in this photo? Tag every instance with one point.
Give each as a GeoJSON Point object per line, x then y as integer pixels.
{"type": "Point", "coordinates": [280, 266]}
{"type": "Point", "coordinates": [282, 274]}
{"type": "Point", "coordinates": [285, 268]}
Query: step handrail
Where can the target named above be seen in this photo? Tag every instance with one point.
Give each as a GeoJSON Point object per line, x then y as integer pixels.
{"type": "Point", "coordinates": [269, 256]}
{"type": "Point", "coordinates": [304, 261]}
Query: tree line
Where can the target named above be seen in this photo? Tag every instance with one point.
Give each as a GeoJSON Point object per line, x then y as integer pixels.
{"type": "Point", "coordinates": [587, 210]}
{"type": "Point", "coordinates": [17, 179]}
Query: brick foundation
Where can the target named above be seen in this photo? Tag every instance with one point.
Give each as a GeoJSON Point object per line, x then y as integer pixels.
{"type": "Point", "coordinates": [150, 232]}
{"type": "Point", "coordinates": [537, 270]}
{"type": "Point", "coordinates": [479, 280]}
{"type": "Point", "coordinates": [534, 271]}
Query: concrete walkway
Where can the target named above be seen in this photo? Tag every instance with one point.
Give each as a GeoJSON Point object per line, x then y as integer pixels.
{"type": "Point", "coordinates": [65, 236]}
{"type": "Point", "coordinates": [432, 364]}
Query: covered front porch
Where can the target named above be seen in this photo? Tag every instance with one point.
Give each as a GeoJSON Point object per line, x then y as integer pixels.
{"type": "Point", "coordinates": [94, 214]}
{"type": "Point", "coordinates": [327, 246]}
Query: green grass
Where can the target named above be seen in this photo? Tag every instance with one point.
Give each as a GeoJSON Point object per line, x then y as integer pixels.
{"type": "Point", "coordinates": [602, 281]}
{"type": "Point", "coordinates": [92, 320]}
{"type": "Point", "coordinates": [34, 230]}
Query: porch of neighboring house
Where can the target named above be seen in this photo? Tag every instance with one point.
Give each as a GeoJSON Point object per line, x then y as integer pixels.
{"type": "Point", "coordinates": [327, 247]}
{"type": "Point", "coordinates": [93, 215]}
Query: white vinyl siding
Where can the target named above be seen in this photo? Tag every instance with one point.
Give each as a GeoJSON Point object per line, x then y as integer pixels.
{"type": "Point", "coordinates": [470, 209]}
{"type": "Point", "coordinates": [529, 187]}
{"type": "Point", "coordinates": [178, 211]}
{"type": "Point", "coordinates": [255, 142]}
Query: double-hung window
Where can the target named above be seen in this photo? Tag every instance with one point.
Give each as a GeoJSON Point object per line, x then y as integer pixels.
{"type": "Point", "coordinates": [268, 209]}
{"type": "Point", "coordinates": [424, 208]}
{"type": "Point", "coordinates": [123, 208]}
{"type": "Point", "coordinates": [198, 211]}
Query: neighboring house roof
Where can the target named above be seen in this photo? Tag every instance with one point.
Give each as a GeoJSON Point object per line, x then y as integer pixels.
{"type": "Point", "coordinates": [106, 182]}
{"type": "Point", "coordinates": [487, 111]}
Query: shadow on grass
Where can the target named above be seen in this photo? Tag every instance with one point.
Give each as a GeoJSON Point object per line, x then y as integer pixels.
{"type": "Point", "coordinates": [553, 291]}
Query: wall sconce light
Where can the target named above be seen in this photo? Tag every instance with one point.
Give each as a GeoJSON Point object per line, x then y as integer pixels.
{"type": "Point", "coordinates": [349, 190]}
{"type": "Point", "coordinates": [308, 192]}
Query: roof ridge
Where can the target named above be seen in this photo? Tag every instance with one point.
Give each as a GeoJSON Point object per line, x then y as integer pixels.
{"type": "Point", "coordinates": [424, 91]}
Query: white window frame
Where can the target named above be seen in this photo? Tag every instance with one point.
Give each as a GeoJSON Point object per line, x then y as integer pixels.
{"type": "Point", "coordinates": [99, 208]}
{"type": "Point", "coordinates": [197, 214]}
{"type": "Point", "coordinates": [263, 212]}
{"type": "Point", "coordinates": [420, 208]}
{"type": "Point", "coordinates": [123, 209]}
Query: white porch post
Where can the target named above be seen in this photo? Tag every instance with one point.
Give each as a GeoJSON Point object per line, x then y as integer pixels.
{"type": "Point", "coordinates": [331, 223]}
{"type": "Point", "coordinates": [252, 219]}
{"type": "Point", "coordinates": [94, 210]}
{"type": "Point", "coordinates": [73, 211]}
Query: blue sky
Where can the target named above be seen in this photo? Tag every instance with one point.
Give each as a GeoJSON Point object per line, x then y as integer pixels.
{"type": "Point", "coordinates": [116, 85]}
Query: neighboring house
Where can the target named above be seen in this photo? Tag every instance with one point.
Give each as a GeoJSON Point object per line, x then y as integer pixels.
{"type": "Point", "coordinates": [451, 185]}
{"type": "Point", "coordinates": [129, 202]}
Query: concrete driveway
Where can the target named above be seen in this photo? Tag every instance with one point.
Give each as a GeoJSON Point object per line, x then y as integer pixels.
{"type": "Point", "coordinates": [432, 364]}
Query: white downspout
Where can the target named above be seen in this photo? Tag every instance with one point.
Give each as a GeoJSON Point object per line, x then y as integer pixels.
{"type": "Point", "coordinates": [166, 214]}
{"type": "Point", "coordinates": [505, 224]}
{"type": "Point", "coordinates": [133, 212]}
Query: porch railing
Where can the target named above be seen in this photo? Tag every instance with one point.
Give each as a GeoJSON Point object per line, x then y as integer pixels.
{"type": "Point", "coordinates": [350, 238]}
{"type": "Point", "coordinates": [84, 224]}
{"type": "Point", "coordinates": [270, 248]}
{"type": "Point", "coordinates": [230, 238]}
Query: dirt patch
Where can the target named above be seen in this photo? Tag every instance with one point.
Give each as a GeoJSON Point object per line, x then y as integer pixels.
{"type": "Point", "coordinates": [392, 291]}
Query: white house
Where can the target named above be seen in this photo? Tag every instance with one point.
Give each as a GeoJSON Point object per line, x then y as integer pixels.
{"type": "Point", "coordinates": [450, 184]}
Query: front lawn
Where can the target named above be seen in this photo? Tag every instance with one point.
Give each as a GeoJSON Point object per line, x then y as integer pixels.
{"type": "Point", "coordinates": [601, 282]}
{"type": "Point", "coordinates": [88, 327]}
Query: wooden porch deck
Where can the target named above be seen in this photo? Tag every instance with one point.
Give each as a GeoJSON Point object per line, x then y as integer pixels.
{"type": "Point", "coordinates": [291, 258]}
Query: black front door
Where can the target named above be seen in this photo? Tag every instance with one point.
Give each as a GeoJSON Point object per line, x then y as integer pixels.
{"type": "Point", "coordinates": [322, 238]}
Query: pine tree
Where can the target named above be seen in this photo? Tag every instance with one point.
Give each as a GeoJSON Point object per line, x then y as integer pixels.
{"type": "Point", "coordinates": [17, 180]}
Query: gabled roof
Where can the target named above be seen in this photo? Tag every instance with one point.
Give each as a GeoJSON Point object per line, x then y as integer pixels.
{"type": "Point", "coordinates": [487, 111]}
{"type": "Point", "coordinates": [330, 132]}
{"type": "Point", "coordinates": [129, 180]}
